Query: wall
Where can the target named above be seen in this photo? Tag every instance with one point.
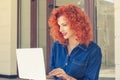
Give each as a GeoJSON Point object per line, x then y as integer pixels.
{"type": "Point", "coordinates": [117, 38]}
{"type": "Point", "coordinates": [42, 21]}
{"type": "Point", "coordinates": [8, 28]}
{"type": "Point", "coordinates": [24, 23]}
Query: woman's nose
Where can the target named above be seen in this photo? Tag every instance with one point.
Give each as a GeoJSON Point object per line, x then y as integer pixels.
{"type": "Point", "coordinates": [61, 28]}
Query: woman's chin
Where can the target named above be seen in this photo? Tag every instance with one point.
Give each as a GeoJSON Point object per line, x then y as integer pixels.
{"type": "Point", "coordinates": [65, 37]}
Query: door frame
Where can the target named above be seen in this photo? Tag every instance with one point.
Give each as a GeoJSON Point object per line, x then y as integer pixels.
{"type": "Point", "coordinates": [33, 24]}
{"type": "Point", "coordinates": [50, 5]}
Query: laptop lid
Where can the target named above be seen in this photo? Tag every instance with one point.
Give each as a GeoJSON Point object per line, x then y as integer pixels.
{"type": "Point", "coordinates": [31, 63]}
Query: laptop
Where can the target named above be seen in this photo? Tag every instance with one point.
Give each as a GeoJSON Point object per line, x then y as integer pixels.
{"type": "Point", "coordinates": [31, 65]}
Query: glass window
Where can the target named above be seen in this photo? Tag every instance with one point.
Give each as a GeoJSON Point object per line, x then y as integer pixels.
{"type": "Point", "coordinates": [104, 11]}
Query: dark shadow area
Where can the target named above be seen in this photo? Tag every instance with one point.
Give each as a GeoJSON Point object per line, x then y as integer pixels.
{"type": "Point", "coordinates": [105, 78]}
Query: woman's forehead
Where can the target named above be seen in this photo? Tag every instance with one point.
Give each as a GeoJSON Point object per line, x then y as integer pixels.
{"type": "Point", "coordinates": [61, 19]}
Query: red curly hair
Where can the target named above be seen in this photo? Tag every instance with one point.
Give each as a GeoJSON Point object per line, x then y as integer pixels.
{"type": "Point", "coordinates": [78, 21]}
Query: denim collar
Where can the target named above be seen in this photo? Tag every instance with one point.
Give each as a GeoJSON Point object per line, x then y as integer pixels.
{"type": "Point", "coordinates": [83, 47]}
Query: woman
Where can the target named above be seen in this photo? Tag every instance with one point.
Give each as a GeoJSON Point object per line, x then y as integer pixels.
{"type": "Point", "coordinates": [74, 56]}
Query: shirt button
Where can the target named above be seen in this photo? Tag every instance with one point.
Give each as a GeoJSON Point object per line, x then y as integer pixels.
{"type": "Point", "coordinates": [66, 64]}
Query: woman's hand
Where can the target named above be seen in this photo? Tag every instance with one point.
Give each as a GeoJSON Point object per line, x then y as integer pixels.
{"type": "Point", "coordinates": [58, 72]}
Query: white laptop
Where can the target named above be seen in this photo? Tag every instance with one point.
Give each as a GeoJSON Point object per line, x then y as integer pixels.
{"type": "Point", "coordinates": [31, 63]}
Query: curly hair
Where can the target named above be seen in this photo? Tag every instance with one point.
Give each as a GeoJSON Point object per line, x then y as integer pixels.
{"type": "Point", "coordinates": [76, 18]}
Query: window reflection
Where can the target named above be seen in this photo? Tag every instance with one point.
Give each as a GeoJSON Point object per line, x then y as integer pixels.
{"type": "Point", "coordinates": [105, 32]}
{"type": "Point", "coordinates": [81, 4]}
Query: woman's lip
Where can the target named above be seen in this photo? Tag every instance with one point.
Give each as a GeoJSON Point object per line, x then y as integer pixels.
{"type": "Point", "coordinates": [64, 34]}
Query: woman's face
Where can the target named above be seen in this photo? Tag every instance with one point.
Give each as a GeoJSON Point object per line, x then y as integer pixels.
{"type": "Point", "coordinates": [65, 28]}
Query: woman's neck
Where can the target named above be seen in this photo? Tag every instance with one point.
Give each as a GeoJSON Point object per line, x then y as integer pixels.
{"type": "Point", "coordinates": [72, 43]}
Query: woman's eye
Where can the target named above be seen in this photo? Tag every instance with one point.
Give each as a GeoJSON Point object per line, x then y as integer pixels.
{"type": "Point", "coordinates": [64, 24]}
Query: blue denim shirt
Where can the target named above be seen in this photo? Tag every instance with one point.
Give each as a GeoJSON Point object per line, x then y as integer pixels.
{"type": "Point", "coordinates": [83, 63]}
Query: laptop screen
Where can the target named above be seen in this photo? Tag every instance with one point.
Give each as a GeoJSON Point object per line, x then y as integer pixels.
{"type": "Point", "coordinates": [30, 63]}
